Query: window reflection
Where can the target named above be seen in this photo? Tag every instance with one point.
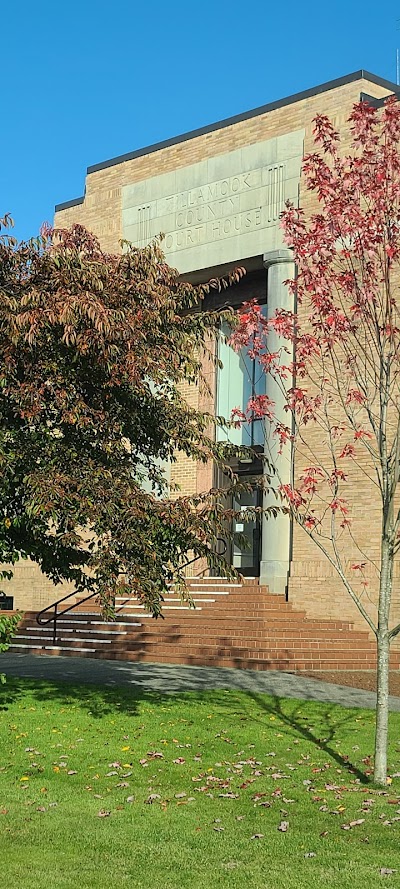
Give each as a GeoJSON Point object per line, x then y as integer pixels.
{"type": "Point", "coordinates": [238, 380]}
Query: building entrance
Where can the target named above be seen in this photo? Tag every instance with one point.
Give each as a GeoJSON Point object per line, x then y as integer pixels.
{"type": "Point", "coordinates": [246, 534]}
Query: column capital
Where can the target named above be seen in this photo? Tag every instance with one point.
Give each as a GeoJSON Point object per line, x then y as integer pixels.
{"type": "Point", "coordinates": [276, 256]}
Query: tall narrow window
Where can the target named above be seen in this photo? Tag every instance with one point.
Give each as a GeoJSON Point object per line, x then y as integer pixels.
{"type": "Point", "coordinates": [238, 379]}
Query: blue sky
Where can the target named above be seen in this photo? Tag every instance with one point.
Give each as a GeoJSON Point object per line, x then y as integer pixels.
{"type": "Point", "coordinates": [83, 82]}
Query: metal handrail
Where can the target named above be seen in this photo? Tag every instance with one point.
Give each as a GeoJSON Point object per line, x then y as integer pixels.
{"type": "Point", "coordinates": [54, 605]}
{"type": "Point", "coordinates": [57, 614]}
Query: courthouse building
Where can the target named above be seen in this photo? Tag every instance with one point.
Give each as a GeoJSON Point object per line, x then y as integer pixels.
{"type": "Point", "coordinates": [217, 194]}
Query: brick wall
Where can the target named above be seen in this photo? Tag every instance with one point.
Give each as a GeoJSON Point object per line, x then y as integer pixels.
{"type": "Point", "coordinates": [31, 589]}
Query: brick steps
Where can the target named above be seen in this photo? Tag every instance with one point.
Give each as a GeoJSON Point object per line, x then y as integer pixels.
{"type": "Point", "coordinates": [246, 629]}
{"type": "Point", "coordinates": [277, 648]}
{"type": "Point", "coordinates": [144, 657]}
{"type": "Point", "coordinates": [202, 659]}
{"type": "Point", "coordinates": [215, 616]}
{"type": "Point", "coordinates": [233, 625]}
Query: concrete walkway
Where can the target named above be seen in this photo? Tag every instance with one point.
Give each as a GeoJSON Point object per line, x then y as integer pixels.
{"type": "Point", "coordinates": [170, 678]}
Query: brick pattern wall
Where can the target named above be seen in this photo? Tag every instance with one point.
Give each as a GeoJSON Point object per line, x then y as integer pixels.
{"type": "Point", "coordinates": [184, 470]}
{"type": "Point", "coordinates": [31, 589]}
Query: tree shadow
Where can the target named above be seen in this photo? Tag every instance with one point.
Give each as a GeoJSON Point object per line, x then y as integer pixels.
{"type": "Point", "coordinates": [293, 721]}
{"type": "Point", "coordinates": [96, 700]}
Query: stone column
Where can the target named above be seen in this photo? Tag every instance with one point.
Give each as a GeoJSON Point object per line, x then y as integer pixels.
{"type": "Point", "coordinates": [276, 533]}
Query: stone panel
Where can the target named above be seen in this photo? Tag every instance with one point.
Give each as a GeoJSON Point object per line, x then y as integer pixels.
{"type": "Point", "coordinates": [222, 209]}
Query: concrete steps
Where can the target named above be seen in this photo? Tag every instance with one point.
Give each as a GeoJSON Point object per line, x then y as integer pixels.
{"type": "Point", "coordinates": [233, 625]}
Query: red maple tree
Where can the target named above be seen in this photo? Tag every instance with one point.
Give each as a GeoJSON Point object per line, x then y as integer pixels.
{"type": "Point", "coordinates": [338, 368]}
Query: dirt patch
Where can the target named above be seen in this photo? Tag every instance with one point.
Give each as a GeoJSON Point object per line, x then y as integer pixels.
{"type": "Point", "coordinates": [365, 679]}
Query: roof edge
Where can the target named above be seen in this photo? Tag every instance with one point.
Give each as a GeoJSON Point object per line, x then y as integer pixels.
{"type": "Point", "coordinates": [246, 115]}
{"type": "Point", "coordinates": [230, 121]}
{"type": "Point", "coordinates": [67, 204]}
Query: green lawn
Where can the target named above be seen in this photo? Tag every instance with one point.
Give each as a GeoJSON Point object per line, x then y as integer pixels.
{"type": "Point", "coordinates": [106, 788]}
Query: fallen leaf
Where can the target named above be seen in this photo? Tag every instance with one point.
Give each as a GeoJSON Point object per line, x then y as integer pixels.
{"type": "Point", "coordinates": [353, 824]}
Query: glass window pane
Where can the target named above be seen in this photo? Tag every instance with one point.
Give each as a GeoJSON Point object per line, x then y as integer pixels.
{"type": "Point", "coordinates": [239, 378]}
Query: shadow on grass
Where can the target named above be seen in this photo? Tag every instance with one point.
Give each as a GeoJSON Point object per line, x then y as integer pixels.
{"type": "Point", "coordinates": [294, 717]}
{"type": "Point", "coordinates": [331, 725]}
{"type": "Point", "coordinates": [98, 701]}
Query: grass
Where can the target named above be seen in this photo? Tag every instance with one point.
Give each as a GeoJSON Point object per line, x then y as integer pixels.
{"type": "Point", "coordinates": [104, 787]}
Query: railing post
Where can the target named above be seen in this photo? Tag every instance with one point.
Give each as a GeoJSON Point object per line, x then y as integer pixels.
{"type": "Point", "coordinates": [55, 624]}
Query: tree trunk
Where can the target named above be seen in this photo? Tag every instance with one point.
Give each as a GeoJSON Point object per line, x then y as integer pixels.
{"type": "Point", "coordinates": [383, 650]}
{"type": "Point", "coordinates": [382, 709]}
